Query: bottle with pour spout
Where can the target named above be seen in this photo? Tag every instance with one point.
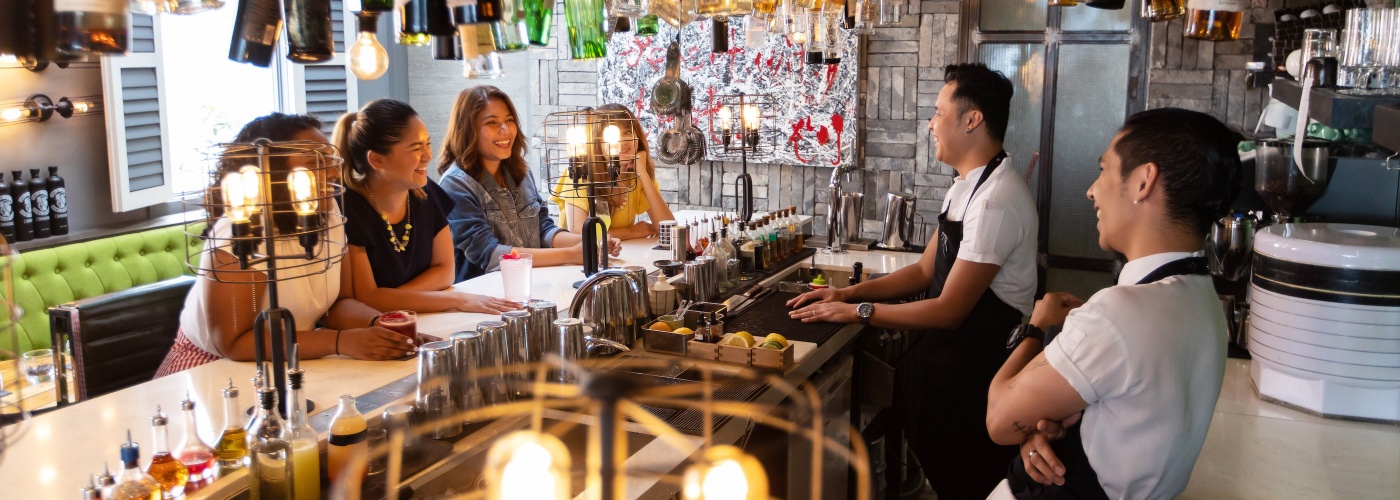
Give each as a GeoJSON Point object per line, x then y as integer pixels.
{"type": "Point", "coordinates": [197, 457]}
{"type": "Point", "coordinates": [348, 437]}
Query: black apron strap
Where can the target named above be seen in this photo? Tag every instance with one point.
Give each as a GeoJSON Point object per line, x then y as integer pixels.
{"type": "Point", "coordinates": [1081, 482]}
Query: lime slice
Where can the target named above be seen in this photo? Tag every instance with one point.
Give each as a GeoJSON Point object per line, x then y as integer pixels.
{"type": "Point", "coordinates": [781, 340]}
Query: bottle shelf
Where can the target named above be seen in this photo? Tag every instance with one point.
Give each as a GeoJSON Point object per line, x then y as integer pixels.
{"type": "Point", "coordinates": [1335, 109]}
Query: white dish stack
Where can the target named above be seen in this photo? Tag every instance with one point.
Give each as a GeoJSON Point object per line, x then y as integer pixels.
{"type": "Point", "coordinates": [1324, 325]}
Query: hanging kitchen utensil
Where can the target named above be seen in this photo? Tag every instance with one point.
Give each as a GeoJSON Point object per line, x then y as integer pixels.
{"type": "Point", "coordinates": [672, 144]}
{"type": "Point", "coordinates": [667, 95]}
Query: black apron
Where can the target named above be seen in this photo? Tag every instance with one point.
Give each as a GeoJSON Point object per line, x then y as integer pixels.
{"type": "Point", "coordinates": [944, 380]}
{"type": "Point", "coordinates": [1081, 482]}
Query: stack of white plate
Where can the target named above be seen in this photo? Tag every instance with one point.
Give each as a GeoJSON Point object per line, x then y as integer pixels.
{"type": "Point", "coordinates": [1324, 325]}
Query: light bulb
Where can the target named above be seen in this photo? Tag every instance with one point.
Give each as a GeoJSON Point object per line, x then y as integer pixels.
{"type": "Point", "coordinates": [724, 117]}
{"type": "Point", "coordinates": [368, 59]}
{"type": "Point", "coordinates": [528, 464]}
{"type": "Point", "coordinates": [81, 106]}
{"type": "Point", "coordinates": [612, 136]}
{"type": "Point", "coordinates": [725, 473]}
{"type": "Point", "coordinates": [750, 117]}
{"type": "Point", "coordinates": [575, 137]}
{"type": "Point", "coordinates": [12, 114]}
{"type": "Point", "coordinates": [8, 59]}
{"type": "Point", "coordinates": [232, 188]}
{"type": "Point", "coordinates": [303, 194]}
{"type": "Point", "coordinates": [251, 188]}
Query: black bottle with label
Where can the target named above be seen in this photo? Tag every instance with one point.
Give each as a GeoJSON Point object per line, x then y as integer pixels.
{"type": "Point", "coordinates": [255, 29]}
{"type": "Point", "coordinates": [24, 213]}
{"type": "Point", "coordinates": [58, 203]}
{"type": "Point", "coordinates": [7, 211]}
{"type": "Point", "coordinates": [39, 201]}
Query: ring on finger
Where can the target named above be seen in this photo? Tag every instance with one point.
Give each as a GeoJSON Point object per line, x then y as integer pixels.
{"type": "Point", "coordinates": [1032, 454]}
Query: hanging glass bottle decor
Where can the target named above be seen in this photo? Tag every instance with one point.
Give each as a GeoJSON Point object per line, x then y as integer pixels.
{"type": "Point", "coordinates": [479, 57]}
{"type": "Point", "coordinates": [622, 14]}
{"type": "Point", "coordinates": [835, 42]}
{"type": "Point", "coordinates": [891, 12]}
{"type": "Point", "coordinates": [584, 19]}
{"type": "Point", "coordinates": [816, 28]}
{"type": "Point", "coordinates": [647, 25]}
{"type": "Point", "coordinates": [677, 13]}
{"type": "Point", "coordinates": [511, 32]}
{"type": "Point", "coordinates": [539, 20]}
{"type": "Point", "coordinates": [867, 14]}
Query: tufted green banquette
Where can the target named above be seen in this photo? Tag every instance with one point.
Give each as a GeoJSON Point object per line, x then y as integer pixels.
{"type": "Point", "coordinates": [48, 277]}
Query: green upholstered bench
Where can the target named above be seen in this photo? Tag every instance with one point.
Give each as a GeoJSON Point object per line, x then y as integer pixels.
{"type": "Point", "coordinates": [49, 277]}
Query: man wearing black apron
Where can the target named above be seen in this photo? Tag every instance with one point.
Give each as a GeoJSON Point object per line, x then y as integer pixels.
{"type": "Point", "coordinates": [980, 276]}
{"type": "Point", "coordinates": [1117, 404]}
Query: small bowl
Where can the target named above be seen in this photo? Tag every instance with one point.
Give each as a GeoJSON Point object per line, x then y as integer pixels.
{"type": "Point", "coordinates": [671, 320]}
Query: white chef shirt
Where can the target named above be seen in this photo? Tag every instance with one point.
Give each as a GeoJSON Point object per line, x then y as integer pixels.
{"type": "Point", "coordinates": [1149, 360]}
{"type": "Point", "coordinates": [308, 296]}
{"type": "Point", "coordinates": [1000, 226]}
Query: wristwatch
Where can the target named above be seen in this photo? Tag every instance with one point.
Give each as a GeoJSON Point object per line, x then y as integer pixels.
{"type": "Point", "coordinates": [1021, 333]}
{"type": "Point", "coordinates": [864, 311]}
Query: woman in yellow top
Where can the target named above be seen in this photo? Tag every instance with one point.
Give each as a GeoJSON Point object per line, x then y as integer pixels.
{"type": "Point", "coordinates": [625, 207]}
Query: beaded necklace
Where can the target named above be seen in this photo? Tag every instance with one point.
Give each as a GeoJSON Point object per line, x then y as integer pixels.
{"type": "Point", "coordinates": [399, 244]}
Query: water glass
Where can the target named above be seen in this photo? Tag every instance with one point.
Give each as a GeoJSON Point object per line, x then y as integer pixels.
{"type": "Point", "coordinates": [515, 278]}
{"type": "Point", "coordinates": [378, 439]}
{"type": "Point", "coordinates": [38, 366]}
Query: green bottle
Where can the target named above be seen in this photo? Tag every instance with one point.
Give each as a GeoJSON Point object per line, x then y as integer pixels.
{"type": "Point", "coordinates": [539, 20]}
{"type": "Point", "coordinates": [646, 25]}
{"type": "Point", "coordinates": [584, 18]}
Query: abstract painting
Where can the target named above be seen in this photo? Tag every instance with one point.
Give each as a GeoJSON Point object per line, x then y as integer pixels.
{"type": "Point", "coordinates": [813, 120]}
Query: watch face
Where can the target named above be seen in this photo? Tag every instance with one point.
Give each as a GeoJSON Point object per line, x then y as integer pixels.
{"type": "Point", "coordinates": [1016, 335]}
{"type": "Point", "coordinates": [865, 309]}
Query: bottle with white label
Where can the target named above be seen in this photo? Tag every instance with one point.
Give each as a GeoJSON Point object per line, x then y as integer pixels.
{"type": "Point", "coordinates": [86, 27]}
{"type": "Point", "coordinates": [24, 212]}
{"type": "Point", "coordinates": [58, 204]}
{"type": "Point", "coordinates": [1215, 20]}
{"type": "Point", "coordinates": [255, 29]}
{"type": "Point", "coordinates": [39, 201]}
{"type": "Point", "coordinates": [7, 211]}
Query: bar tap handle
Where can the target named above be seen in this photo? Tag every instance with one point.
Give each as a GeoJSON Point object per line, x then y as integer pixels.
{"type": "Point", "coordinates": [743, 187]}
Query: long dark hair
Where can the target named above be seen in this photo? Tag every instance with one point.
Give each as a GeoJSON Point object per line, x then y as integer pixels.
{"type": "Point", "coordinates": [276, 127]}
{"type": "Point", "coordinates": [377, 127]}
{"type": "Point", "coordinates": [460, 146]}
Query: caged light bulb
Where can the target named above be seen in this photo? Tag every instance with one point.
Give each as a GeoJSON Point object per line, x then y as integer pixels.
{"type": "Point", "coordinates": [575, 137]}
{"type": "Point", "coordinates": [527, 464]}
{"type": "Point", "coordinates": [368, 59]}
{"type": "Point", "coordinates": [724, 117]}
{"type": "Point", "coordinates": [612, 136]}
{"type": "Point", "coordinates": [303, 191]}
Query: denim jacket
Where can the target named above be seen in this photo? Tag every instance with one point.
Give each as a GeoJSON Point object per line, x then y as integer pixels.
{"type": "Point", "coordinates": [487, 220]}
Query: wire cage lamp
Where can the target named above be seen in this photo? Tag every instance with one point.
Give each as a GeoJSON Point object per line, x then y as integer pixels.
{"type": "Point", "coordinates": [279, 201]}
{"type": "Point", "coordinates": [595, 152]}
{"type": "Point", "coordinates": [525, 456]}
{"type": "Point", "coordinates": [742, 125]}
{"type": "Point", "coordinates": [15, 417]}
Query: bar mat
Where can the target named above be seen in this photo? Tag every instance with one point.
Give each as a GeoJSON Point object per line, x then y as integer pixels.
{"type": "Point", "coordinates": [770, 315]}
{"type": "Point", "coordinates": [692, 421]}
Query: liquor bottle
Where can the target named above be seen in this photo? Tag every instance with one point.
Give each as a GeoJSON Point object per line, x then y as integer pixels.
{"type": "Point", "coordinates": [7, 211]}
{"type": "Point", "coordinates": [447, 48]}
{"type": "Point", "coordinates": [271, 469]}
{"type": "Point", "coordinates": [88, 26]}
{"type": "Point", "coordinates": [760, 250]}
{"type": "Point", "coordinates": [255, 29]}
{"type": "Point", "coordinates": [1105, 4]}
{"type": "Point", "coordinates": [797, 228]}
{"type": "Point", "coordinates": [835, 45]}
{"type": "Point", "coordinates": [1163, 10]}
{"type": "Point", "coordinates": [348, 434]}
{"type": "Point", "coordinates": [133, 484]}
{"type": "Point", "coordinates": [745, 245]}
{"type": "Point", "coordinates": [197, 456]}
{"type": "Point", "coordinates": [106, 483]}
{"type": "Point", "coordinates": [169, 472]}
{"type": "Point", "coordinates": [232, 448]}
{"type": "Point", "coordinates": [1215, 20]}
{"type": "Point", "coordinates": [413, 23]}
{"type": "Point", "coordinates": [539, 20]}
{"type": "Point", "coordinates": [512, 32]}
{"type": "Point", "coordinates": [58, 204]}
{"type": "Point", "coordinates": [310, 37]}
{"type": "Point", "coordinates": [24, 212]}
{"type": "Point", "coordinates": [816, 27]}
{"type": "Point", "coordinates": [306, 453]}
{"type": "Point", "coordinates": [719, 34]}
{"type": "Point", "coordinates": [91, 491]}
{"type": "Point", "coordinates": [475, 11]}
{"type": "Point", "coordinates": [39, 201]}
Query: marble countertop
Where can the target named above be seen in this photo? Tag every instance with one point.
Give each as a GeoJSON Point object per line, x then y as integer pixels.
{"type": "Point", "coordinates": [1254, 449]}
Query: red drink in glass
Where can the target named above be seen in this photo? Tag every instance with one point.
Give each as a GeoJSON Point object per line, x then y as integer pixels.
{"type": "Point", "coordinates": [403, 322]}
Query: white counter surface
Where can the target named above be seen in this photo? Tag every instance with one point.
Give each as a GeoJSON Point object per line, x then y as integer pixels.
{"type": "Point", "coordinates": [1254, 449]}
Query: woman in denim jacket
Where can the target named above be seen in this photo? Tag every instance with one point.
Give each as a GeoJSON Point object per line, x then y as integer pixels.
{"type": "Point", "coordinates": [497, 206]}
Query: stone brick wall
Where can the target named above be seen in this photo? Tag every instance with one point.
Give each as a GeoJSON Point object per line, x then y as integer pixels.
{"type": "Point", "coordinates": [903, 73]}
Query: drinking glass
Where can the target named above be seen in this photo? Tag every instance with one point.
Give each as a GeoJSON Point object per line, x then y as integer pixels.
{"type": "Point", "coordinates": [402, 322]}
{"type": "Point", "coordinates": [515, 278]}
{"type": "Point", "coordinates": [38, 366]}
{"type": "Point", "coordinates": [377, 439]}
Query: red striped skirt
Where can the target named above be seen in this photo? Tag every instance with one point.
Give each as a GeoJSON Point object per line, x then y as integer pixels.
{"type": "Point", "coordinates": [183, 356]}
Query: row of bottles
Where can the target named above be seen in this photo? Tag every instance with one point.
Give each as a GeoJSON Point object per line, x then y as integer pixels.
{"type": "Point", "coordinates": [282, 456]}
{"type": "Point", "coordinates": [34, 208]}
{"type": "Point", "coordinates": [1213, 20]}
{"type": "Point", "coordinates": [769, 240]}
{"type": "Point", "coordinates": [37, 32]}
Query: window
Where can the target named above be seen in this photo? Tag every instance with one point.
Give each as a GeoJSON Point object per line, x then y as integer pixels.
{"type": "Point", "coordinates": [177, 93]}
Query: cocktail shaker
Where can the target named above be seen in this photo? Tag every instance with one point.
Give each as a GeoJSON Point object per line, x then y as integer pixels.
{"type": "Point", "coordinates": [567, 342]}
{"type": "Point", "coordinates": [680, 242]}
{"type": "Point", "coordinates": [542, 316]}
{"type": "Point", "coordinates": [517, 350]}
{"type": "Point", "coordinates": [436, 370]}
{"type": "Point", "coordinates": [466, 349]}
{"type": "Point", "coordinates": [494, 387]}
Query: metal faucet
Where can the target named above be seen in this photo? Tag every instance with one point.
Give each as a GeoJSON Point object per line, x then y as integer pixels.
{"type": "Point", "coordinates": [834, 236]}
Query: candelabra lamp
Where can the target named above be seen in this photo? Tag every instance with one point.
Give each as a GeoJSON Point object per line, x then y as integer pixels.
{"type": "Point", "coordinates": [596, 153]}
{"type": "Point", "coordinates": [612, 399]}
{"type": "Point", "coordinates": [278, 202]}
{"type": "Point", "coordinates": [744, 124]}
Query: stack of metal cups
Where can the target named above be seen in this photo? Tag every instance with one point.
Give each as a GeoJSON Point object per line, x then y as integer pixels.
{"type": "Point", "coordinates": [517, 350]}
{"type": "Point", "coordinates": [567, 342]}
{"type": "Point", "coordinates": [494, 353]}
{"type": "Point", "coordinates": [437, 368]}
{"type": "Point", "coordinates": [542, 316]}
{"type": "Point", "coordinates": [467, 350]}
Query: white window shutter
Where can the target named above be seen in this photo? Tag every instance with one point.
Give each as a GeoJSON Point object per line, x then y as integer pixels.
{"type": "Point", "coordinates": [138, 150]}
{"type": "Point", "coordinates": [326, 90]}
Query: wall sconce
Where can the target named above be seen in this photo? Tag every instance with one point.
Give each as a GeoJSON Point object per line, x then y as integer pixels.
{"type": "Point", "coordinates": [40, 108]}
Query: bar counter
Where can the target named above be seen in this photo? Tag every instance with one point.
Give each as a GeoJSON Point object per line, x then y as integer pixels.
{"type": "Point", "coordinates": [1254, 449]}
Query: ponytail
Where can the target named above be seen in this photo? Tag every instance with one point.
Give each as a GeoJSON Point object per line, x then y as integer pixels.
{"type": "Point", "coordinates": [356, 166]}
{"type": "Point", "coordinates": [377, 127]}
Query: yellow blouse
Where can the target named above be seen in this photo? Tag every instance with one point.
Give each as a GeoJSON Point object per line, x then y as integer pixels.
{"type": "Point", "coordinates": [623, 216]}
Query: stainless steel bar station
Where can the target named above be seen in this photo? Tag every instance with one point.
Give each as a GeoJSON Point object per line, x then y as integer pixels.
{"type": "Point", "coordinates": [699, 249]}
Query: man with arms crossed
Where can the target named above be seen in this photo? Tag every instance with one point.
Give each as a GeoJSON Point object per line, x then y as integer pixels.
{"type": "Point", "coordinates": [1143, 361]}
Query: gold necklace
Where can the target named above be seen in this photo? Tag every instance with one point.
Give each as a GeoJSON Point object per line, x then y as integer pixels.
{"type": "Point", "coordinates": [394, 241]}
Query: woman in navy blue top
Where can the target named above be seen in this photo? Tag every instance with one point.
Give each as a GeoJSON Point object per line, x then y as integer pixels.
{"type": "Point", "coordinates": [400, 250]}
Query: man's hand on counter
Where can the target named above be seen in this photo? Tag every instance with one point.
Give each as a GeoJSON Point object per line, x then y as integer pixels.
{"type": "Point", "coordinates": [829, 312]}
{"type": "Point", "coordinates": [819, 296]}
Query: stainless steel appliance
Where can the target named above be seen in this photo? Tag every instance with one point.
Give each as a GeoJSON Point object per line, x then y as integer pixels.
{"type": "Point", "coordinates": [466, 349]}
{"type": "Point", "coordinates": [852, 208]}
{"type": "Point", "coordinates": [898, 231]}
{"type": "Point", "coordinates": [1288, 187]}
{"type": "Point", "coordinates": [492, 356]}
{"type": "Point", "coordinates": [437, 368]}
{"type": "Point", "coordinates": [605, 301]}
